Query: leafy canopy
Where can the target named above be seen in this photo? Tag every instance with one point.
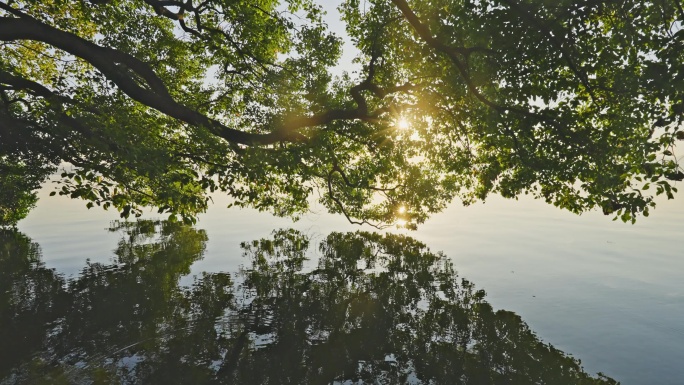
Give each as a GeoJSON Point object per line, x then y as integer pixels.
{"type": "Point", "coordinates": [161, 102]}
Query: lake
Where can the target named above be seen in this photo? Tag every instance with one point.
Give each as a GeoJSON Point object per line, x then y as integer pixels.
{"type": "Point", "coordinates": [609, 294]}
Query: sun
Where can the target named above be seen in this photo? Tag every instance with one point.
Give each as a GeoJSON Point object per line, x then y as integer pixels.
{"type": "Point", "coordinates": [403, 124]}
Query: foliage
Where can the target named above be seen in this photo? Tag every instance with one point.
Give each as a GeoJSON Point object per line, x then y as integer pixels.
{"type": "Point", "coordinates": [23, 167]}
{"type": "Point", "coordinates": [18, 196]}
{"type": "Point", "coordinates": [376, 309]}
{"type": "Point", "coordinates": [159, 103]}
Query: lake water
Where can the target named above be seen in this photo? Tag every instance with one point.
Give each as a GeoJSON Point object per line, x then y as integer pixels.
{"type": "Point", "coordinates": [608, 293]}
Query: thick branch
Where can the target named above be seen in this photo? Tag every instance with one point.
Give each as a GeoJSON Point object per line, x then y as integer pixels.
{"type": "Point", "coordinates": [138, 80]}
{"type": "Point", "coordinates": [160, 7]}
{"type": "Point", "coordinates": [34, 88]}
{"type": "Point", "coordinates": [18, 83]}
{"type": "Point", "coordinates": [117, 67]}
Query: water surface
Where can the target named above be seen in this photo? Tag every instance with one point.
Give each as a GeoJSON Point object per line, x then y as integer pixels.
{"type": "Point", "coordinates": [374, 308]}
{"type": "Point", "coordinates": [610, 294]}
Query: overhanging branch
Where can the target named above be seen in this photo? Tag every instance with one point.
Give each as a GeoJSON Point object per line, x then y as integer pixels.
{"type": "Point", "coordinates": [124, 70]}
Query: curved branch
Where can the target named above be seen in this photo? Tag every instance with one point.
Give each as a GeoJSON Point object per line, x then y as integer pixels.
{"type": "Point", "coordinates": [120, 67]}
{"type": "Point", "coordinates": [19, 83]}
{"type": "Point", "coordinates": [125, 70]}
{"type": "Point", "coordinates": [139, 81]}
{"type": "Point", "coordinates": [342, 209]}
{"type": "Point", "coordinates": [160, 7]}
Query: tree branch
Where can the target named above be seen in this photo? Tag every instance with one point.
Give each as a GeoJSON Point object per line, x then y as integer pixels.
{"type": "Point", "coordinates": [342, 209]}
{"type": "Point", "coordinates": [122, 69]}
{"type": "Point", "coordinates": [159, 7]}
{"type": "Point", "coordinates": [117, 67]}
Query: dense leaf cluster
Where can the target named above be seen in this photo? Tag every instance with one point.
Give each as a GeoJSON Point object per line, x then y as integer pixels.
{"type": "Point", "coordinates": [159, 103]}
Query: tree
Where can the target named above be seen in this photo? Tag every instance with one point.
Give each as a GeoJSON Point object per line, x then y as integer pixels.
{"type": "Point", "coordinates": [160, 102]}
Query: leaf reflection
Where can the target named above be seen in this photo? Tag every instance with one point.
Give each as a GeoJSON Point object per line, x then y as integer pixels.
{"type": "Point", "coordinates": [376, 309]}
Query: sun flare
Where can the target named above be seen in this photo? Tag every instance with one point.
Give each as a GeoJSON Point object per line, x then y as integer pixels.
{"type": "Point", "coordinates": [403, 124]}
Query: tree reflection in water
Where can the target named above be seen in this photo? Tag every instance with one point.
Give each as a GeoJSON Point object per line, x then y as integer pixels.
{"type": "Point", "coordinates": [377, 309]}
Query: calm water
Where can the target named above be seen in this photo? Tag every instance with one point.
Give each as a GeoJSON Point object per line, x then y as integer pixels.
{"type": "Point", "coordinates": [609, 294]}
{"type": "Point", "coordinates": [374, 308]}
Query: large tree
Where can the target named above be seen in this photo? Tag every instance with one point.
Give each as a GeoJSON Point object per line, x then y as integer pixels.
{"type": "Point", "coordinates": [160, 102]}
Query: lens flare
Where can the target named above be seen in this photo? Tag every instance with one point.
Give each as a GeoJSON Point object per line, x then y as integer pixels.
{"type": "Point", "coordinates": [403, 124]}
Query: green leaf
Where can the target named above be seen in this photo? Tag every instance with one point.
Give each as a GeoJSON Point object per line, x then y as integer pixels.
{"type": "Point", "coordinates": [564, 106]}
